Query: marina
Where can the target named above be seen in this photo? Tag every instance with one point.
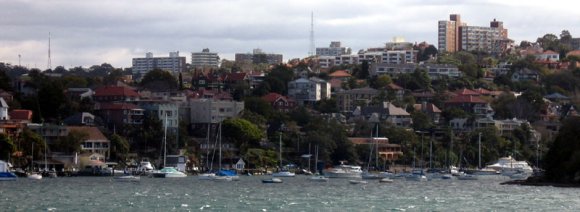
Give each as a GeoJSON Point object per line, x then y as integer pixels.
{"type": "Point", "coordinates": [295, 194]}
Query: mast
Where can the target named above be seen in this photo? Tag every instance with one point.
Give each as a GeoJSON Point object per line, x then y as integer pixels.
{"type": "Point", "coordinates": [165, 141]}
{"type": "Point", "coordinates": [479, 150]}
{"type": "Point", "coordinates": [280, 155]}
{"type": "Point", "coordinates": [207, 148]}
{"type": "Point", "coordinates": [316, 159]}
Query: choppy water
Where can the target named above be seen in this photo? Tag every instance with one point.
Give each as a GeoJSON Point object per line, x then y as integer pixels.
{"type": "Point", "coordinates": [295, 194]}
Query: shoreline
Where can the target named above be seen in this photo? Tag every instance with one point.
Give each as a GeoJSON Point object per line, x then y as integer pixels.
{"type": "Point", "coordinates": [535, 182]}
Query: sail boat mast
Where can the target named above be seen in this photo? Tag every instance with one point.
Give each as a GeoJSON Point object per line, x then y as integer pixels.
{"type": "Point", "coordinates": [165, 141]}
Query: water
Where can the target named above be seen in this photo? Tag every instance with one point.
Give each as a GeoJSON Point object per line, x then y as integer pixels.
{"type": "Point", "coordinates": [295, 194]}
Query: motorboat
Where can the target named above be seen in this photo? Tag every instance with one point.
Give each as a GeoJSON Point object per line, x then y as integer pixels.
{"type": "Point", "coordinates": [486, 171]}
{"type": "Point", "coordinates": [386, 180]}
{"type": "Point", "coordinates": [467, 177]}
{"type": "Point", "coordinates": [386, 174]}
{"type": "Point", "coordinates": [509, 166]}
{"type": "Point", "coordinates": [272, 180]}
{"type": "Point", "coordinates": [145, 166]}
{"type": "Point", "coordinates": [343, 171]}
{"type": "Point", "coordinates": [222, 178]}
{"type": "Point", "coordinates": [5, 174]}
{"type": "Point", "coordinates": [283, 174]}
{"type": "Point", "coordinates": [357, 182]}
{"type": "Point", "coordinates": [318, 178]}
{"type": "Point", "coordinates": [206, 176]}
{"type": "Point", "coordinates": [228, 173]}
{"type": "Point", "coordinates": [34, 176]}
{"type": "Point", "coordinates": [370, 176]}
{"type": "Point", "coordinates": [127, 178]}
{"type": "Point", "coordinates": [416, 175]}
{"type": "Point", "coordinates": [168, 172]}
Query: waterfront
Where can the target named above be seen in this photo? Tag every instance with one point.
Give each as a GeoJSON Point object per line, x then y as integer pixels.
{"type": "Point", "coordinates": [295, 194]}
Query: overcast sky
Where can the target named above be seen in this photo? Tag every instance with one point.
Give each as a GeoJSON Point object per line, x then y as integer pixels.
{"type": "Point", "coordinates": [90, 32]}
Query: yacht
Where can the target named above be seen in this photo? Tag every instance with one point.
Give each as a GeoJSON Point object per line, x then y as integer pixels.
{"type": "Point", "coordinates": [416, 175]}
{"type": "Point", "coordinates": [509, 166]}
{"type": "Point", "coordinates": [168, 172]}
{"type": "Point", "coordinates": [5, 174]}
{"type": "Point", "coordinates": [467, 177]}
{"type": "Point", "coordinates": [145, 166]}
{"type": "Point", "coordinates": [344, 171]}
{"type": "Point", "coordinates": [127, 178]}
{"type": "Point", "coordinates": [370, 176]}
{"type": "Point", "coordinates": [318, 178]}
{"type": "Point", "coordinates": [34, 176]}
{"type": "Point", "coordinates": [283, 174]}
{"type": "Point", "coordinates": [357, 182]}
{"type": "Point", "coordinates": [272, 180]}
{"type": "Point", "coordinates": [206, 176]}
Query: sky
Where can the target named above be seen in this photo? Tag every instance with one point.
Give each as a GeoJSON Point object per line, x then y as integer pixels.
{"type": "Point", "coordinates": [92, 32]}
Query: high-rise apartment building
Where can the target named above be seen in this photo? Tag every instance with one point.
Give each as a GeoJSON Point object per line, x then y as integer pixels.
{"type": "Point", "coordinates": [205, 58]}
{"type": "Point", "coordinates": [454, 35]}
{"type": "Point", "coordinates": [258, 57]}
{"type": "Point", "coordinates": [174, 63]}
{"type": "Point", "coordinates": [335, 49]}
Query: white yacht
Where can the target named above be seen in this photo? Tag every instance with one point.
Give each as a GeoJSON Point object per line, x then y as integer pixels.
{"type": "Point", "coordinates": [344, 171]}
{"type": "Point", "coordinates": [318, 178]}
{"type": "Point", "coordinates": [206, 176]}
{"type": "Point", "coordinates": [168, 172]}
{"type": "Point", "coordinates": [283, 174]}
{"type": "Point", "coordinates": [509, 166]}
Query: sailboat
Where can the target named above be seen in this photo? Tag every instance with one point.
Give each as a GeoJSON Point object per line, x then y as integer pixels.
{"type": "Point", "coordinates": [317, 177]}
{"type": "Point", "coordinates": [282, 172]}
{"type": "Point", "coordinates": [33, 175]}
{"type": "Point", "coordinates": [167, 172]}
{"type": "Point", "coordinates": [209, 175]}
{"type": "Point", "coordinates": [223, 175]}
{"type": "Point", "coordinates": [373, 146]}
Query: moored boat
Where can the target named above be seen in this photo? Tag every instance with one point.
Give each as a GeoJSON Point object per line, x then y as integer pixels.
{"type": "Point", "coordinates": [127, 178]}
{"type": "Point", "coordinates": [343, 171]}
{"type": "Point", "coordinates": [168, 172]}
{"type": "Point", "coordinates": [386, 180]}
{"type": "Point", "coordinates": [318, 179]}
{"type": "Point", "coordinates": [467, 177]}
{"type": "Point", "coordinates": [272, 180]}
{"type": "Point", "coordinates": [34, 176]}
{"type": "Point", "coordinates": [283, 174]}
{"type": "Point", "coordinates": [357, 182]}
{"type": "Point", "coordinates": [5, 174]}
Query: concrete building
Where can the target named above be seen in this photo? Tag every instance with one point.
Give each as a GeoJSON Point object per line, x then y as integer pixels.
{"type": "Point", "coordinates": [205, 58]}
{"type": "Point", "coordinates": [203, 111]}
{"type": "Point", "coordinates": [454, 35]}
{"type": "Point", "coordinates": [166, 111]}
{"type": "Point", "coordinates": [259, 57]}
{"type": "Point", "coordinates": [348, 100]}
{"type": "Point", "coordinates": [174, 63]}
{"type": "Point", "coordinates": [335, 49]}
{"type": "Point", "coordinates": [306, 91]}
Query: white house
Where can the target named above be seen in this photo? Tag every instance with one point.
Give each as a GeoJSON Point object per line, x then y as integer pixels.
{"type": "Point", "coordinates": [308, 90]}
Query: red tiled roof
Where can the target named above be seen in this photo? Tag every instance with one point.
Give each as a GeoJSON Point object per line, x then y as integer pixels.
{"type": "Point", "coordinates": [550, 52]}
{"type": "Point", "coordinates": [466, 99]}
{"type": "Point", "coordinates": [466, 91]}
{"type": "Point", "coordinates": [115, 91]}
{"type": "Point", "coordinates": [117, 106]}
{"type": "Point", "coordinates": [340, 73]}
{"type": "Point", "coordinates": [394, 86]}
{"type": "Point", "coordinates": [429, 107]}
{"type": "Point", "coordinates": [575, 52]}
{"type": "Point", "coordinates": [237, 76]}
{"type": "Point", "coordinates": [482, 91]}
{"type": "Point", "coordinates": [272, 97]}
{"type": "Point", "coordinates": [93, 132]}
{"type": "Point", "coordinates": [20, 115]}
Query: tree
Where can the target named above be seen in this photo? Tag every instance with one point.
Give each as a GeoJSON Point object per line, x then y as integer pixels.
{"type": "Point", "coordinates": [71, 143]}
{"type": "Point", "coordinates": [51, 100]}
{"type": "Point", "coordinates": [259, 106]}
{"type": "Point", "coordinates": [119, 147]}
{"type": "Point", "coordinates": [364, 71]}
{"type": "Point", "coordinates": [327, 106]}
{"type": "Point", "coordinates": [563, 158]}
{"type": "Point", "coordinates": [380, 81]}
{"type": "Point", "coordinates": [421, 120]}
{"type": "Point", "coordinates": [6, 146]}
{"type": "Point", "coordinates": [242, 133]}
{"type": "Point", "coordinates": [158, 79]}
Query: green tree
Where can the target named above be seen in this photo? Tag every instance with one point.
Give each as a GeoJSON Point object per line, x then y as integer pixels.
{"type": "Point", "coordinates": [421, 120]}
{"type": "Point", "coordinates": [6, 146]}
{"type": "Point", "coordinates": [563, 158]}
{"type": "Point", "coordinates": [327, 106]}
{"type": "Point", "coordinates": [259, 106]}
{"type": "Point", "coordinates": [243, 133]}
{"type": "Point", "coordinates": [71, 143]}
{"type": "Point", "coordinates": [158, 79]}
{"type": "Point", "coordinates": [119, 147]}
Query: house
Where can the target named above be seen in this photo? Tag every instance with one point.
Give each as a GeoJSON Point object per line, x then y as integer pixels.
{"type": "Point", "coordinates": [279, 102]}
{"type": "Point", "coordinates": [397, 90]}
{"type": "Point", "coordinates": [558, 98]}
{"type": "Point", "coordinates": [548, 55]}
{"type": "Point", "coordinates": [204, 111]}
{"type": "Point", "coordinates": [347, 100]}
{"type": "Point", "coordinates": [166, 111]}
{"type": "Point", "coordinates": [80, 119]}
{"type": "Point", "coordinates": [3, 110]}
{"type": "Point", "coordinates": [389, 113]}
{"type": "Point", "coordinates": [341, 75]}
{"type": "Point", "coordinates": [115, 94]}
{"type": "Point", "coordinates": [20, 116]}
{"type": "Point", "coordinates": [386, 150]}
{"type": "Point", "coordinates": [308, 91]}
{"type": "Point", "coordinates": [430, 110]}
{"type": "Point", "coordinates": [470, 103]}
{"type": "Point", "coordinates": [116, 115]}
{"type": "Point", "coordinates": [526, 74]}
{"type": "Point", "coordinates": [459, 124]}
{"type": "Point", "coordinates": [95, 142]}
{"type": "Point", "coordinates": [79, 93]}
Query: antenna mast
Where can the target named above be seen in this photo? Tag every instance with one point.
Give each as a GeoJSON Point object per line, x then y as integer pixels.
{"type": "Point", "coordinates": [49, 65]}
{"type": "Point", "coordinates": [311, 50]}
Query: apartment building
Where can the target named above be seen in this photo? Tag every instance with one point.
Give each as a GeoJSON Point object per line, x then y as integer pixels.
{"type": "Point", "coordinates": [174, 63]}
{"type": "Point", "coordinates": [204, 59]}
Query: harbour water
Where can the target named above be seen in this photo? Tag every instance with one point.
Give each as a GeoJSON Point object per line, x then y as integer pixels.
{"type": "Point", "coordinates": [295, 194]}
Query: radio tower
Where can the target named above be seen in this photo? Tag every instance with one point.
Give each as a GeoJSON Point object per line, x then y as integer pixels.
{"type": "Point", "coordinates": [311, 50]}
{"type": "Point", "coordinates": [49, 65]}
